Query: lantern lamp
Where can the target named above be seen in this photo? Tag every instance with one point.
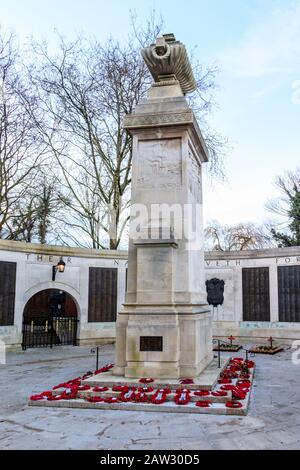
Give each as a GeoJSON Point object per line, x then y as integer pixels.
{"type": "Point", "coordinates": [60, 267]}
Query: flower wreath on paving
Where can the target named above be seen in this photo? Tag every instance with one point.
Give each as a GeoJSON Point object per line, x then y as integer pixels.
{"type": "Point", "coordinates": [233, 404]}
{"type": "Point", "coordinates": [121, 388]}
{"type": "Point", "coordinates": [160, 396]}
{"type": "Point", "coordinates": [100, 389]}
{"type": "Point", "coordinates": [128, 395]}
{"type": "Point", "coordinates": [105, 368]}
{"type": "Point", "coordinates": [204, 403]}
{"type": "Point", "coordinates": [237, 392]}
{"type": "Point", "coordinates": [202, 393]}
{"type": "Point", "coordinates": [186, 381]}
{"type": "Point", "coordinates": [141, 397]}
{"type": "Point", "coordinates": [146, 380]}
{"type": "Point", "coordinates": [219, 393]}
{"type": "Point", "coordinates": [145, 389]}
{"type": "Point", "coordinates": [74, 385]}
{"type": "Point", "coordinates": [111, 400]}
{"type": "Point", "coordinates": [95, 399]}
{"type": "Point", "coordinates": [182, 397]}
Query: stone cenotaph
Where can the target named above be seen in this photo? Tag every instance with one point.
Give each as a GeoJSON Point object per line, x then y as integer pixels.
{"type": "Point", "coordinates": [164, 328]}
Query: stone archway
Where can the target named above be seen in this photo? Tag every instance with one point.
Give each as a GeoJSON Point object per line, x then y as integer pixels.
{"type": "Point", "coordinates": [50, 318]}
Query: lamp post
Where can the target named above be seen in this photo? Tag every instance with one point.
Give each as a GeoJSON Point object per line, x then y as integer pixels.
{"type": "Point", "coordinates": [60, 267]}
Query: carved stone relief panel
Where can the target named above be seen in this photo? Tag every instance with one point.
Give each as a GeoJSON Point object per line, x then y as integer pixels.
{"type": "Point", "coordinates": [194, 177]}
{"type": "Point", "coordinates": [159, 164]}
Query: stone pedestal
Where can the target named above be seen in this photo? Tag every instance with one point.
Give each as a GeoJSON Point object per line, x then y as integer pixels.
{"type": "Point", "coordinates": [164, 328]}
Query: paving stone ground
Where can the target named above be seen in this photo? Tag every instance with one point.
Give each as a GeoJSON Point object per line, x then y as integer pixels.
{"type": "Point", "coordinates": [273, 421]}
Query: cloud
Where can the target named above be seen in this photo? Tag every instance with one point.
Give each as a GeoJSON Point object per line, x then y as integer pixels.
{"type": "Point", "coordinates": [271, 46]}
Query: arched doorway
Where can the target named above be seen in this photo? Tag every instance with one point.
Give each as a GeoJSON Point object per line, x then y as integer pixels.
{"type": "Point", "coordinates": [49, 319]}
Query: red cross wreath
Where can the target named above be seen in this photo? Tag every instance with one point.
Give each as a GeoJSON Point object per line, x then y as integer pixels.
{"type": "Point", "coordinates": [233, 404]}
{"type": "Point", "coordinates": [160, 396]}
{"type": "Point", "coordinates": [111, 400]}
{"type": "Point", "coordinates": [243, 383]}
{"type": "Point", "coordinates": [202, 393]}
{"type": "Point", "coordinates": [250, 364]}
{"type": "Point", "coordinates": [237, 392]}
{"type": "Point", "coordinates": [37, 397]}
{"type": "Point", "coordinates": [128, 395]}
{"type": "Point", "coordinates": [145, 389]}
{"type": "Point", "coordinates": [182, 397]}
{"type": "Point", "coordinates": [146, 380]}
{"type": "Point", "coordinates": [225, 380]}
{"type": "Point", "coordinates": [100, 389]}
{"type": "Point", "coordinates": [105, 368]}
{"type": "Point", "coordinates": [95, 399]}
{"type": "Point", "coordinates": [219, 393]}
{"type": "Point", "coordinates": [203, 403]}
{"type": "Point", "coordinates": [121, 388]}
{"type": "Point", "coordinates": [186, 381]}
{"type": "Point", "coordinates": [141, 397]}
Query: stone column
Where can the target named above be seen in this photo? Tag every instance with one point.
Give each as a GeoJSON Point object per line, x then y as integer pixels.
{"type": "Point", "coordinates": [164, 328]}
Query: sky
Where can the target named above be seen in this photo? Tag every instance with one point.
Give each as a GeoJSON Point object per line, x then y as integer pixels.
{"type": "Point", "coordinates": [256, 46]}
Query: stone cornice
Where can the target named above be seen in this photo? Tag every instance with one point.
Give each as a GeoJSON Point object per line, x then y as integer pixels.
{"type": "Point", "coordinates": [253, 254]}
{"type": "Point", "coordinates": [142, 120]}
{"type": "Point", "coordinates": [22, 247]}
{"type": "Point", "coordinates": [163, 119]}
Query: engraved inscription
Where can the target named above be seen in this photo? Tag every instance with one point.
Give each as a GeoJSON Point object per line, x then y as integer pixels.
{"type": "Point", "coordinates": [131, 121]}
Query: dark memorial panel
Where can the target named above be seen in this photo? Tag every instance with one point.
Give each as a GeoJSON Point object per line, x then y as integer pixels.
{"type": "Point", "coordinates": [103, 287]}
{"type": "Point", "coordinates": [151, 343]}
{"type": "Point", "coordinates": [215, 291]}
{"type": "Point", "coordinates": [256, 294]}
{"type": "Point", "coordinates": [289, 293]}
{"type": "Point", "coordinates": [7, 292]}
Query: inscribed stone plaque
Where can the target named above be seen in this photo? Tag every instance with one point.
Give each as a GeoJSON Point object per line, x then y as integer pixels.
{"type": "Point", "coordinates": [151, 343]}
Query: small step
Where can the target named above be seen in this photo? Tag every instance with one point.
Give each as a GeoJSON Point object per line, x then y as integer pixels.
{"type": "Point", "coordinates": [170, 397]}
{"type": "Point", "coordinates": [205, 381]}
{"type": "Point", "coordinates": [232, 372]}
{"type": "Point", "coordinates": [167, 407]}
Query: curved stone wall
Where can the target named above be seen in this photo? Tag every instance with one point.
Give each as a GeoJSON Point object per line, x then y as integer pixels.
{"type": "Point", "coordinates": [268, 277]}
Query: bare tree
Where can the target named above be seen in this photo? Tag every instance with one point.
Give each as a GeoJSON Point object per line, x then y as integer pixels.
{"type": "Point", "coordinates": [288, 186]}
{"type": "Point", "coordinates": [84, 92]}
{"type": "Point", "coordinates": [20, 151]}
{"type": "Point", "coordinates": [236, 237]}
{"type": "Point", "coordinates": [287, 206]}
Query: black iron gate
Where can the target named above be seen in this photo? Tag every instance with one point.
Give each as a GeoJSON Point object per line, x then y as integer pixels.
{"type": "Point", "coordinates": [49, 330]}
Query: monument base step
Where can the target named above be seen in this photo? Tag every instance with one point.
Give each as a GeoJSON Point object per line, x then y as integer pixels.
{"type": "Point", "coordinates": [205, 381]}
{"type": "Point", "coordinates": [219, 395]}
{"type": "Point", "coordinates": [167, 407]}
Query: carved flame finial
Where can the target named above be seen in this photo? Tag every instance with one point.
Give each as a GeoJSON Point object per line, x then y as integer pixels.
{"type": "Point", "coordinates": [167, 59]}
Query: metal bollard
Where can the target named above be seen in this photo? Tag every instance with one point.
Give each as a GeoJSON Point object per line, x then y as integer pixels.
{"type": "Point", "coordinates": [219, 354]}
{"type": "Point", "coordinates": [93, 351]}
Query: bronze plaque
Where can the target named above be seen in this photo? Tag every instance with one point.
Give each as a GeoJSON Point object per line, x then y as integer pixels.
{"type": "Point", "coordinates": [256, 295]}
{"type": "Point", "coordinates": [151, 343]}
{"type": "Point", "coordinates": [103, 290]}
{"type": "Point", "coordinates": [289, 293]}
